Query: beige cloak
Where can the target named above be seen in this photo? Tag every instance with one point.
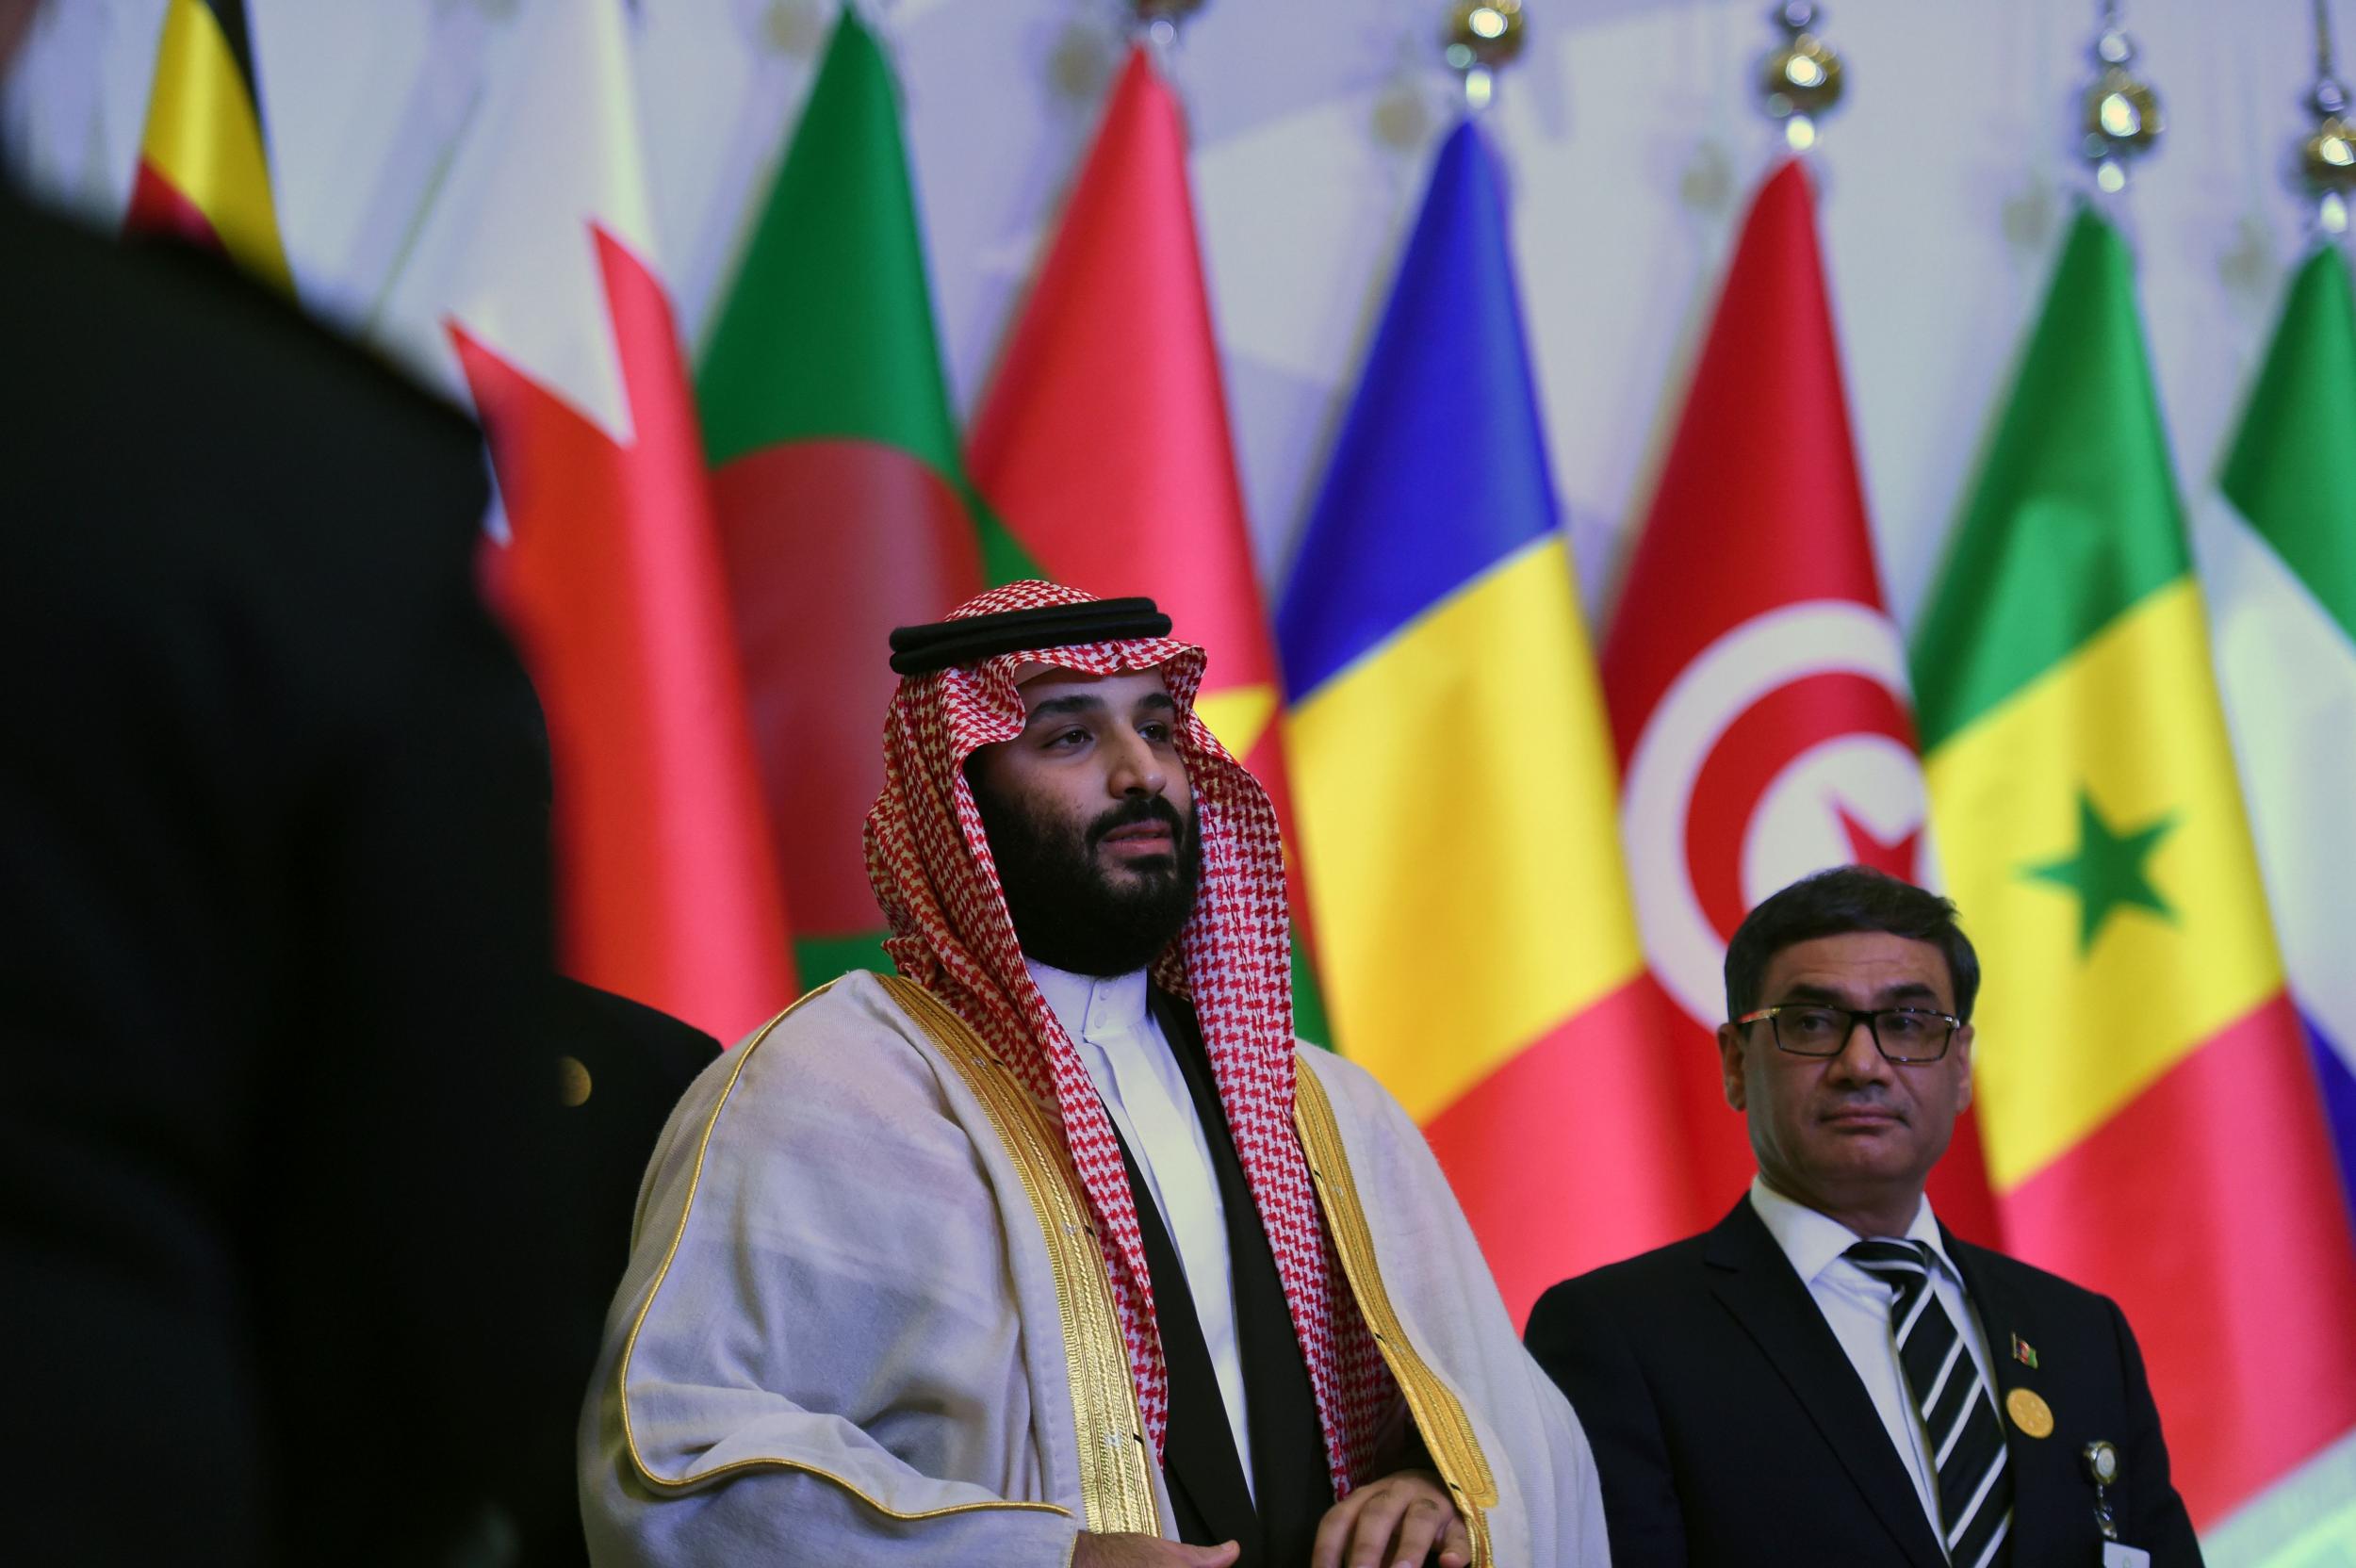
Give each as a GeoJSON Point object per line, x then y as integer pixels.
{"type": "Point", "coordinates": [866, 1322]}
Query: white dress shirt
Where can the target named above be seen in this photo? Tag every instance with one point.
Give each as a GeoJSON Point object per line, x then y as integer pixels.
{"type": "Point", "coordinates": [1856, 1308]}
{"type": "Point", "coordinates": [1137, 1077]}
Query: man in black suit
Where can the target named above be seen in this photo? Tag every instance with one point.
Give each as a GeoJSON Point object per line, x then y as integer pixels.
{"type": "Point", "coordinates": [622, 1065]}
{"type": "Point", "coordinates": [1827, 1376]}
{"type": "Point", "coordinates": [276, 1097]}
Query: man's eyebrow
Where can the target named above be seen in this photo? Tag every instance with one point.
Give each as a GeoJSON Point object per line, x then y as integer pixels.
{"type": "Point", "coordinates": [1158, 700]}
{"type": "Point", "coordinates": [1910, 990]}
{"type": "Point", "coordinates": [1056, 707]}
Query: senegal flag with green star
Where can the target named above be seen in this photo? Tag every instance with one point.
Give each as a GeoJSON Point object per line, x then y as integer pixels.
{"type": "Point", "coordinates": [2151, 1121]}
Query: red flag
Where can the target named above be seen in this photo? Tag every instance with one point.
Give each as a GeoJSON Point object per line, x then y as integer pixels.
{"type": "Point", "coordinates": [1104, 439]}
{"type": "Point", "coordinates": [1755, 683]}
{"type": "Point", "coordinates": [534, 288]}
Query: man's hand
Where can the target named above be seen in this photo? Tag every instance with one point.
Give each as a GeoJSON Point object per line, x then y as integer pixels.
{"type": "Point", "coordinates": [1149, 1551]}
{"type": "Point", "coordinates": [1394, 1523]}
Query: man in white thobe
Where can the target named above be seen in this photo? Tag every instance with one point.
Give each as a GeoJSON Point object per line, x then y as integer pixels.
{"type": "Point", "coordinates": [1053, 1248]}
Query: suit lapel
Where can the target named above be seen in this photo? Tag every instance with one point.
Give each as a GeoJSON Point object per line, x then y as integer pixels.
{"type": "Point", "coordinates": [2042, 1496]}
{"type": "Point", "coordinates": [1753, 1279]}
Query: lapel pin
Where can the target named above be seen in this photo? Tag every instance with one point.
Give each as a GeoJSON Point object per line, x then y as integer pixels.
{"type": "Point", "coordinates": [2023, 1352]}
{"type": "Point", "coordinates": [2029, 1413]}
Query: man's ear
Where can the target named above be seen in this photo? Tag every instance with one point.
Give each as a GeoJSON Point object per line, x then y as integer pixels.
{"type": "Point", "coordinates": [1730, 1064]}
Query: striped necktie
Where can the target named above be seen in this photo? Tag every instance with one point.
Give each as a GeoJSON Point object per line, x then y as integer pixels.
{"type": "Point", "coordinates": [1958, 1417]}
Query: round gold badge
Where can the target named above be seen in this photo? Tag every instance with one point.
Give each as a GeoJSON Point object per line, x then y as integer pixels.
{"type": "Point", "coordinates": [2030, 1413]}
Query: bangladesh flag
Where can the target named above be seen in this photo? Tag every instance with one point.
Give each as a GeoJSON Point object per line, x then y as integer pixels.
{"type": "Point", "coordinates": [843, 504]}
{"type": "Point", "coordinates": [2147, 1108]}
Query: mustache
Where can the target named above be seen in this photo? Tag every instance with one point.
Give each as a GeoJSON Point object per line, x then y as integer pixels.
{"type": "Point", "coordinates": [1137, 813]}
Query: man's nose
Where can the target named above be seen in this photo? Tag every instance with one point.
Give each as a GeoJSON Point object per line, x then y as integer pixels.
{"type": "Point", "coordinates": [1137, 767]}
{"type": "Point", "coordinates": [1860, 1058]}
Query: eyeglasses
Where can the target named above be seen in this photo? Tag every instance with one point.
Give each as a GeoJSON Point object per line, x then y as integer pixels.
{"type": "Point", "coordinates": [1899, 1034]}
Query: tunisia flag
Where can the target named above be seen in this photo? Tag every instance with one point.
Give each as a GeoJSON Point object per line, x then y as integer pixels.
{"type": "Point", "coordinates": [1756, 683]}
{"type": "Point", "coordinates": [534, 290]}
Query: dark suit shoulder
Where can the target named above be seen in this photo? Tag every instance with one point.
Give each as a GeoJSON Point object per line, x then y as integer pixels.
{"type": "Point", "coordinates": [1648, 1276]}
{"type": "Point", "coordinates": [2022, 1276]}
{"type": "Point", "coordinates": [649, 1025]}
{"type": "Point", "coordinates": [117, 301]}
{"type": "Point", "coordinates": [230, 492]}
{"type": "Point", "coordinates": [198, 440]}
{"type": "Point", "coordinates": [2056, 1300]}
{"type": "Point", "coordinates": [588, 1018]}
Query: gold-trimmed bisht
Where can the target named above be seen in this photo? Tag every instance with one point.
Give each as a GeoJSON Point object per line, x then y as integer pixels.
{"type": "Point", "coordinates": [1116, 1469]}
{"type": "Point", "coordinates": [691, 1479]}
{"type": "Point", "coordinates": [1438, 1415]}
{"type": "Point", "coordinates": [1116, 1481]}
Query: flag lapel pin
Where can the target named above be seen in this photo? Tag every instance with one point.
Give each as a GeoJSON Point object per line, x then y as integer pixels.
{"type": "Point", "coordinates": [2023, 1352]}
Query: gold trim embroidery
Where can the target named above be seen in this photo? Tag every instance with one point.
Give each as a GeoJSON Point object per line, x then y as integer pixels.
{"type": "Point", "coordinates": [1116, 1476]}
{"type": "Point", "coordinates": [1437, 1413]}
{"type": "Point", "coordinates": [699, 1478]}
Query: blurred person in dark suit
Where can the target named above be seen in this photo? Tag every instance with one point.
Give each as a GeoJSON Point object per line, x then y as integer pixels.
{"type": "Point", "coordinates": [276, 1126]}
{"type": "Point", "coordinates": [622, 1067]}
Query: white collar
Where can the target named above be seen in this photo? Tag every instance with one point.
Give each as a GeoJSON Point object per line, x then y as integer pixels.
{"type": "Point", "coordinates": [1090, 1007]}
{"type": "Point", "coordinates": [1814, 1242]}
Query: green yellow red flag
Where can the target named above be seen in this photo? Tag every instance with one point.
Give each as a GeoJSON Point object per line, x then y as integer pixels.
{"type": "Point", "coordinates": [2148, 1112]}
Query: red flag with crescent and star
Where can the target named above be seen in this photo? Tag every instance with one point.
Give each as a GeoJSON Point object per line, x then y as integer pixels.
{"type": "Point", "coordinates": [1755, 683]}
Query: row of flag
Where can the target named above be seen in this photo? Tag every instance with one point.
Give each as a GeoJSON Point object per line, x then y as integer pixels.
{"type": "Point", "coordinates": [1522, 858]}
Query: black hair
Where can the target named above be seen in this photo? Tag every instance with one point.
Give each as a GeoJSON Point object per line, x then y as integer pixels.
{"type": "Point", "coordinates": [1836, 903]}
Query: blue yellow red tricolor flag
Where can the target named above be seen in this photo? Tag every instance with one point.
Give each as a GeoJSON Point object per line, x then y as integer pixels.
{"type": "Point", "coordinates": [204, 172]}
{"type": "Point", "coordinates": [1454, 777]}
{"type": "Point", "coordinates": [2147, 1105]}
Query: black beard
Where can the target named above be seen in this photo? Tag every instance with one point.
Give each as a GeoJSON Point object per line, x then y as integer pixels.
{"type": "Point", "coordinates": [1068, 913]}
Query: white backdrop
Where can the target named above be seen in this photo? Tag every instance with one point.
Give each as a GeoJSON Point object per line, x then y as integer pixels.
{"type": "Point", "coordinates": [1628, 127]}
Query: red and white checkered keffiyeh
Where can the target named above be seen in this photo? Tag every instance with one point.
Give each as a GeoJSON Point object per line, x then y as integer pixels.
{"type": "Point", "coordinates": [932, 871]}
